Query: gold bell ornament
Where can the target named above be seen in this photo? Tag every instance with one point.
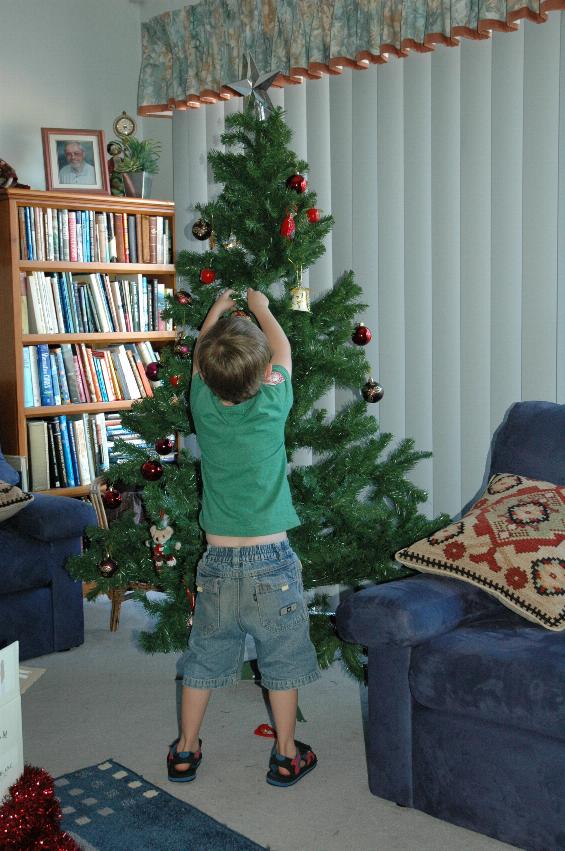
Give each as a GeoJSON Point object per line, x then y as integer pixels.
{"type": "Point", "coordinates": [300, 296]}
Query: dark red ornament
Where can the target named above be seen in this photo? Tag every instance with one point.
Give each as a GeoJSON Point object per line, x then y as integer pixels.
{"type": "Point", "coordinates": [182, 297]}
{"type": "Point", "coordinates": [182, 349]}
{"type": "Point", "coordinates": [372, 391]}
{"type": "Point", "coordinates": [111, 497]}
{"type": "Point", "coordinates": [164, 446]}
{"type": "Point", "coordinates": [152, 370]}
{"type": "Point", "coordinates": [108, 567]}
{"type": "Point", "coordinates": [201, 229]}
{"type": "Point", "coordinates": [313, 215]}
{"type": "Point", "coordinates": [241, 313]}
{"type": "Point", "coordinates": [175, 380]}
{"type": "Point", "coordinates": [362, 335]}
{"type": "Point", "coordinates": [207, 276]}
{"type": "Point", "coordinates": [297, 182]}
{"type": "Point", "coordinates": [151, 470]}
{"type": "Point", "coordinates": [288, 227]}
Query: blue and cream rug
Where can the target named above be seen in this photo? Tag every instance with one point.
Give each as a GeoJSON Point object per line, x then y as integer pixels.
{"type": "Point", "coordinates": [107, 807]}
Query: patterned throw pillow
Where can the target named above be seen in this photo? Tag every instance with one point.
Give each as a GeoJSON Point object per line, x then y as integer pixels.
{"type": "Point", "coordinates": [511, 544]}
{"type": "Point", "coordinates": [12, 500]}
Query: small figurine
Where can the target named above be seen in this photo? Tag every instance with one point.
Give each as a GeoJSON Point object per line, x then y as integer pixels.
{"type": "Point", "coordinates": [162, 544]}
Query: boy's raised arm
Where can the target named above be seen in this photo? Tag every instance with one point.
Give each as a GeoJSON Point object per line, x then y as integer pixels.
{"type": "Point", "coordinates": [278, 341]}
{"type": "Point", "coordinates": [223, 303]}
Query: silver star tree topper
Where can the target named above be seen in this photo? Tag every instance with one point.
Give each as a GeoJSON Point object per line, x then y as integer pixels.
{"type": "Point", "coordinates": [254, 87]}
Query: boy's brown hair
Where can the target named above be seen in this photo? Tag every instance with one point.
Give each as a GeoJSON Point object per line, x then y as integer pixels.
{"type": "Point", "coordinates": [232, 358]}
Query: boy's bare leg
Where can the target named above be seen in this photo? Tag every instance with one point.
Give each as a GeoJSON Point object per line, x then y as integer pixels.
{"type": "Point", "coordinates": [194, 704]}
{"type": "Point", "coordinates": [284, 705]}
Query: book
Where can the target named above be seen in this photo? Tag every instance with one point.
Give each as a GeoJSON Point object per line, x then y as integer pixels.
{"type": "Point", "coordinates": [22, 233]}
{"type": "Point", "coordinates": [44, 371]}
{"type": "Point", "coordinates": [28, 386]}
{"type": "Point", "coordinates": [54, 378]}
{"type": "Point", "coordinates": [38, 454]}
{"type": "Point", "coordinates": [99, 303]}
{"type": "Point", "coordinates": [70, 371]}
{"type": "Point", "coordinates": [90, 453]}
{"type": "Point", "coordinates": [112, 254]}
{"type": "Point", "coordinates": [34, 376]}
{"type": "Point", "coordinates": [82, 456]}
{"type": "Point", "coordinates": [23, 302]}
{"type": "Point", "coordinates": [102, 441]}
{"type": "Point", "coordinates": [146, 253]}
{"type": "Point", "coordinates": [87, 373]}
{"type": "Point", "coordinates": [19, 464]}
{"type": "Point", "coordinates": [67, 455]}
{"type": "Point", "coordinates": [138, 244]}
{"type": "Point", "coordinates": [114, 354]}
{"type": "Point", "coordinates": [119, 231]}
{"type": "Point", "coordinates": [54, 480]}
{"type": "Point", "coordinates": [36, 318]}
{"type": "Point", "coordinates": [152, 239]}
{"type": "Point", "coordinates": [135, 373]}
{"type": "Point", "coordinates": [73, 255]}
{"type": "Point", "coordinates": [126, 236]}
{"type": "Point", "coordinates": [140, 367]}
{"type": "Point", "coordinates": [90, 366]}
{"type": "Point", "coordinates": [63, 383]}
{"type": "Point", "coordinates": [81, 379]}
{"type": "Point", "coordinates": [55, 428]}
{"type": "Point", "coordinates": [59, 313]}
{"type": "Point", "coordinates": [131, 383]}
{"type": "Point", "coordinates": [132, 238]}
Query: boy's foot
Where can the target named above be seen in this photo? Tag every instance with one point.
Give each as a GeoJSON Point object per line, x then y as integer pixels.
{"type": "Point", "coordinates": [284, 771]}
{"type": "Point", "coordinates": [182, 765]}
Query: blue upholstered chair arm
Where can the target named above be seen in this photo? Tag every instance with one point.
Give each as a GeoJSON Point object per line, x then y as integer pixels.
{"type": "Point", "coordinates": [408, 611]}
{"type": "Point", "coordinates": [52, 518]}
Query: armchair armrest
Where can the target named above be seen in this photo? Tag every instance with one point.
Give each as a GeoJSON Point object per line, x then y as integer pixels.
{"type": "Point", "coordinates": [409, 611]}
{"type": "Point", "coordinates": [52, 518]}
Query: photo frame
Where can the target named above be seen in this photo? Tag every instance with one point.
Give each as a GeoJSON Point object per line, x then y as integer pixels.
{"type": "Point", "coordinates": [75, 160]}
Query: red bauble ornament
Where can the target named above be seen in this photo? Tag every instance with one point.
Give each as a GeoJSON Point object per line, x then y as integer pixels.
{"type": "Point", "coordinates": [108, 567]}
{"type": "Point", "coordinates": [207, 276]}
{"type": "Point", "coordinates": [111, 497]}
{"type": "Point", "coordinates": [151, 470]}
{"type": "Point", "coordinates": [152, 370]}
{"type": "Point", "coordinates": [182, 349]}
{"type": "Point", "coordinates": [182, 297]}
{"type": "Point", "coordinates": [175, 380]}
{"type": "Point", "coordinates": [288, 227]}
{"type": "Point", "coordinates": [372, 391]}
{"type": "Point", "coordinates": [313, 215]}
{"type": "Point", "coordinates": [164, 446]}
{"type": "Point", "coordinates": [241, 313]}
{"type": "Point", "coordinates": [297, 182]}
{"type": "Point", "coordinates": [362, 335]}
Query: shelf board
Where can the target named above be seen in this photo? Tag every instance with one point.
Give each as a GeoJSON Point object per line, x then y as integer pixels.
{"type": "Point", "coordinates": [114, 268]}
{"type": "Point", "coordinates": [77, 408]}
{"type": "Point", "coordinates": [101, 337]}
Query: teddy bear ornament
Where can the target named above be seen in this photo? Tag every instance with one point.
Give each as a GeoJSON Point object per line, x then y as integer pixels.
{"type": "Point", "coordinates": [163, 545]}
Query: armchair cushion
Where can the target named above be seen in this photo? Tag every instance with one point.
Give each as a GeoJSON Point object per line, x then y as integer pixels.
{"type": "Point", "coordinates": [24, 564]}
{"type": "Point", "coordinates": [498, 668]}
{"type": "Point", "coordinates": [409, 611]}
{"type": "Point", "coordinates": [50, 518]}
{"type": "Point", "coordinates": [511, 544]}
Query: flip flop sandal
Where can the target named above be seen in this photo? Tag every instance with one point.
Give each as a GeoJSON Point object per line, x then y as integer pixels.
{"type": "Point", "coordinates": [304, 753]}
{"type": "Point", "coordinates": [175, 758]}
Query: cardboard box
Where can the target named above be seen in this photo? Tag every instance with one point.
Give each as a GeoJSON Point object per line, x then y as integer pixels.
{"type": "Point", "coordinates": [11, 742]}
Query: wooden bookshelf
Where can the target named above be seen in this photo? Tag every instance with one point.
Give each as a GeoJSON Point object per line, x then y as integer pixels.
{"type": "Point", "coordinates": [13, 415]}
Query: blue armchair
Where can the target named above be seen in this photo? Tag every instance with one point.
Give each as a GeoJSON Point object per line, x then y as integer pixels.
{"type": "Point", "coordinates": [466, 698]}
{"type": "Point", "coordinates": [40, 605]}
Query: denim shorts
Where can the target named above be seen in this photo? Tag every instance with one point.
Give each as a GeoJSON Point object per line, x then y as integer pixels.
{"type": "Point", "coordinates": [256, 590]}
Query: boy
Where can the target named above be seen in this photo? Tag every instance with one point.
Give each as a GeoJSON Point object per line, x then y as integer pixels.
{"type": "Point", "coordinates": [249, 579]}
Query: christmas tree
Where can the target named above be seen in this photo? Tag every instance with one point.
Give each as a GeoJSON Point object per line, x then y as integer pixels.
{"type": "Point", "coordinates": [356, 504]}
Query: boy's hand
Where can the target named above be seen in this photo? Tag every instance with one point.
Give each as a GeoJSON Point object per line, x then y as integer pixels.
{"type": "Point", "coordinates": [256, 301]}
{"type": "Point", "coordinates": [224, 302]}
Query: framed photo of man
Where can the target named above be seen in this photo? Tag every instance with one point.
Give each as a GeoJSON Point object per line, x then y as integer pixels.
{"type": "Point", "coordinates": [75, 160]}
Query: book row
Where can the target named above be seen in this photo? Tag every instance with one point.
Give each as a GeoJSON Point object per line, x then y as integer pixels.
{"type": "Point", "coordinates": [68, 451]}
{"type": "Point", "coordinates": [77, 373]}
{"type": "Point", "coordinates": [59, 303]}
{"type": "Point", "coordinates": [91, 236]}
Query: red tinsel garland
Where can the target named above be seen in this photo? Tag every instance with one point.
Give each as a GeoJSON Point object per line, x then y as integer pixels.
{"type": "Point", "coordinates": [31, 814]}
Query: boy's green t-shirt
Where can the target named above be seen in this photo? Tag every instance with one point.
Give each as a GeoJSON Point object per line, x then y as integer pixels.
{"type": "Point", "coordinates": [244, 464]}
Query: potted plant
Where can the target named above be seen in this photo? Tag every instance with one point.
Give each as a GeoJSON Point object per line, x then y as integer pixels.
{"type": "Point", "coordinates": [137, 163]}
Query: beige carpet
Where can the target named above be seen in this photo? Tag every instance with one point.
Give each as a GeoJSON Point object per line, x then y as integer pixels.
{"type": "Point", "coordinates": [108, 699]}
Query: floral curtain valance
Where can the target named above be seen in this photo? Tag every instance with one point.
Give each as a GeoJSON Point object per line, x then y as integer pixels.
{"type": "Point", "coordinates": [190, 56]}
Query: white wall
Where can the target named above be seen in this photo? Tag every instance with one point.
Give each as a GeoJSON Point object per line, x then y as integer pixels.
{"type": "Point", "coordinates": [70, 63]}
